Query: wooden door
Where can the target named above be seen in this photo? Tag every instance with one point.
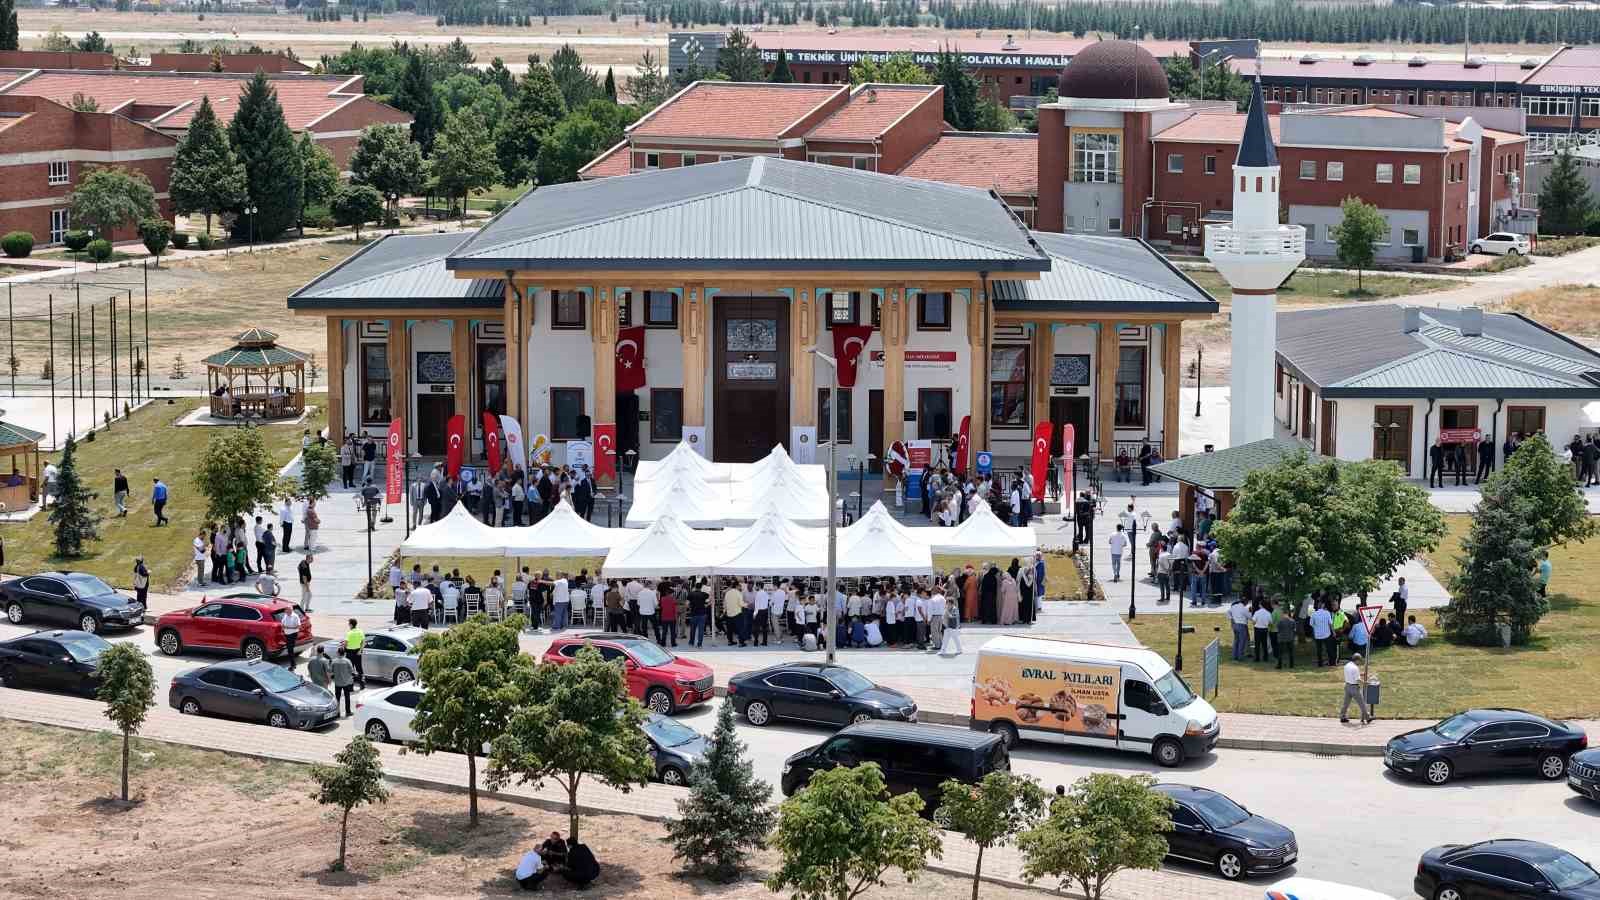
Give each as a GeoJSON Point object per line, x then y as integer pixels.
{"type": "Point", "coordinates": [433, 421]}
{"type": "Point", "coordinates": [1065, 411]}
{"type": "Point", "coordinates": [1461, 417]}
{"type": "Point", "coordinates": [1329, 440]}
{"type": "Point", "coordinates": [627, 424]}
{"type": "Point", "coordinates": [751, 377]}
{"type": "Point", "coordinates": [1391, 435]}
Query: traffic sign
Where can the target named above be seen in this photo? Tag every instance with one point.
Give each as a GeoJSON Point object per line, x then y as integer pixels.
{"type": "Point", "coordinates": [1369, 617]}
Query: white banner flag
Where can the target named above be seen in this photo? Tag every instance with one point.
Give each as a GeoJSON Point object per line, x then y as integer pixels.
{"type": "Point", "coordinates": [513, 440]}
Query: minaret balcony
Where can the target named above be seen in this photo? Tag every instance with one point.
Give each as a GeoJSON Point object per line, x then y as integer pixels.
{"type": "Point", "coordinates": [1255, 259]}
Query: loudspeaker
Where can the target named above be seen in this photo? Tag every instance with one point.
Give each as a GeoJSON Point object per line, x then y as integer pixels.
{"type": "Point", "coordinates": [583, 426]}
{"type": "Point", "coordinates": [941, 427]}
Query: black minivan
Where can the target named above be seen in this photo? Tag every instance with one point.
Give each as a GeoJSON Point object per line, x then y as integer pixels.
{"type": "Point", "coordinates": [913, 757]}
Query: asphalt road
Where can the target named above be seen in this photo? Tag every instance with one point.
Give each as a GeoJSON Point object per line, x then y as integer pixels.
{"type": "Point", "coordinates": [1355, 823]}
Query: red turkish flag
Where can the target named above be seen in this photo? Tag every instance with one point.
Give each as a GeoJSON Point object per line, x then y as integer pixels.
{"type": "Point", "coordinates": [605, 450]}
{"type": "Point", "coordinates": [958, 465]}
{"type": "Point", "coordinates": [848, 343]}
{"type": "Point", "coordinates": [394, 463]}
{"type": "Point", "coordinates": [1041, 457]}
{"type": "Point", "coordinates": [630, 359]}
{"type": "Point", "coordinates": [455, 445]}
{"type": "Point", "coordinates": [491, 440]}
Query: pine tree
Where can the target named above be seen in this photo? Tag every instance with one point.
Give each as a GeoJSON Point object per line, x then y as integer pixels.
{"type": "Point", "coordinates": [740, 58]}
{"type": "Point", "coordinates": [1496, 582]}
{"type": "Point", "coordinates": [274, 176]}
{"type": "Point", "coordinates": [1564, 200]}
{"type": "Point", "coordinates": [535, 109]}
{"type": "Point", "coordinates": [725, 815]}
{"type": "Point", "coordinates": [206, 177]}
{"type": "Point", "coordinates": [960, 90]}
{"type": "Point", "coordinates": [578, 85]}
{"type": "Point", "coordinates": [780, 69]}
{"type": "Point", "coordinates": [417, 97]}
{"type": "Point", "coordinates": [611, 85]}
{"type": "Point", "coordinates": [75, 521]}
{"type": "Point", "coordinates": [9, 35]}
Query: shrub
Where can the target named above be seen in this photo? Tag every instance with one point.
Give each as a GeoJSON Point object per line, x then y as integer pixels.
{"type": "Point", "coordinates": [76, 240]}
{"type": "Point", "coordinates": [180, 240]}
{"type": "Point", "coordinates": [1560, 246]}
{"type": "Point", "coordinates": [1509, 261]}
{"type": "Point", "coordinates": [17, 244]}
{"type": "Point", "coordinates": [205, 242]}
{"type": "Point", "coordinates": [99, 249]}
{"type": "Point", "coordinates": [156, 234]}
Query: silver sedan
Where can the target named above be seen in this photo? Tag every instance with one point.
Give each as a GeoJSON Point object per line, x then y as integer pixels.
{"type": "Point", "coordinates": [388, 654]}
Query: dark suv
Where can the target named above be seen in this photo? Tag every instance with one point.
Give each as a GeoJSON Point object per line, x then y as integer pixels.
{"type": "Point", "coordinates": [913, 757]}
{"type": "Point", "coordinates": [69, 599]}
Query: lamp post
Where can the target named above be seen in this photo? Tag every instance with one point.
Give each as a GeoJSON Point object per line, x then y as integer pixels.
{"type": "Point", "coordinates": [369, 505]}
{"type": "Point", "coordinates": [828, 612]}
{"type": "Point", "coordinates": [394, 211]}
{"type": "Point", "coordinates": [628, 456]}
{"type": "Point", "coordinates": [1199, 360]}
{"type": "Point", "coordinates": [1133, 557]}
{"type": "Point", "coordinates": [251, 211]}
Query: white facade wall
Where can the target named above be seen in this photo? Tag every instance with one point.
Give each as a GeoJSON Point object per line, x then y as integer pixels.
{"type": "Point", "coordinates": [1353, 420]}
{"type": "Point", "coordinates": [556, 358]}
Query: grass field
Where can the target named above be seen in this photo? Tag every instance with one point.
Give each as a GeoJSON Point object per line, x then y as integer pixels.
{"type": "Point", "coordinates": [1568, 308]}
{"type": "Point", "coordinates": [1324, 287]}
{"type": "Point", "coordinates": [1554, 675]}
{"type": "Point", "coordinates": [146, 446]}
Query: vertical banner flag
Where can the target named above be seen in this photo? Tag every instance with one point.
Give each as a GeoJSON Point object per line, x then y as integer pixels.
{"type": "Point", "coordinates": [394, 463]}
{"type": "Point", "coordinates": [455, 445]}
{"type": "Point", "coordinates": [511, 443]}
{"type": "Point", "coordinates": [491, 440]}
{"type": "Point", "coordinates": [630, 359]}
{"type": "Point", "coordinates": [1069, 453]}
{"type": "Point", "coordinates": [958, 465]}
{"type": "Point", "coordinates": [848, 343]}
{"type": "Point", "coordinates": [605, 450]}
{"type": "Point", "coordinates": [1041, 457]}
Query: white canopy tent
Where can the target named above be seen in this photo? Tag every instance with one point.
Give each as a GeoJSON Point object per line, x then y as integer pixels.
{"type": "Point", "coordinates": [683, 497]}
{"type": "Point", "coordinates": [682, 459]}
{"type": "Point", "coordinates": [563, 533]}
{"type": "Point", "coordinates": [666, 548]}
{"type": "Point", "coordinates": [457, 534]}
{"type": "Point", "coordinates": [775, 546]}
{"type": "Point", "coordinates": [982, 534]}
{"type": "Point", "coordinates": [878, 545]}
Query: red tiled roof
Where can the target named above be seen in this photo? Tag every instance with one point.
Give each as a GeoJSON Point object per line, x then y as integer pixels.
{"type": "Point", "coordinates": [1008, 164]}
{"type": "Point", "coordinates": [872, 108]}
{"type": "Point", "coordinates": [1571, 65]}
{"type": "Point", "coordinates": [1213, 128]}
{"type": "Point", "coordinates": [616, 161]}
{"type": "Point", "coordinates": [734, 110]}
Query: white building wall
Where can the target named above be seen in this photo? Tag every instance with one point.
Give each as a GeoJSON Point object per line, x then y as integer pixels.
{"type": "Point", "coordinates": [427, 335]}
{"type": "Point", "coordinates": [1354, 417]}
{"type": "Point", "coordinates": [663, 368]}
{"type": "Point", "coordinates": [555, 358]}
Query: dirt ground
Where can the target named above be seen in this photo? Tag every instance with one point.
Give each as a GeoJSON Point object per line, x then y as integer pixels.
{"type": "Point", "coordinates": [212, 825]}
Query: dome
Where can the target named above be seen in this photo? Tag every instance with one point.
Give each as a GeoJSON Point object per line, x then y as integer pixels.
{"type": "Point", "coordinates": [1114, 70]}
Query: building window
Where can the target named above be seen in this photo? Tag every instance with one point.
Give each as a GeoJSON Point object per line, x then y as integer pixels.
{"type": "Point", "coordinates": [1175, 162]}
{"type": "Point", "coordinates": [1091, 223]}
{"type": "Point", "coordinates": [660, 309]}
{"type": "Point", "coordinates": [825, 421]}
{"type": "Point", "coordinates": [567, 309]}
{"type": "Point", "coordinates": [624, 308]}
{"type": "Point", "coordinates": [1524, 420]}
{"type": "Point", "coordinates": [1412, 173]}
{"type": "Point", "coordinates": [1335, 171]}
{"type": "Point", "coordinates": [1130, 387]}
{"type": "Point", "coordinates": [1096, 157]}
{"type": "Point", "coordinates": [566, 408]}
{"type": "Point", "coordinates": [1384, 173]}
{"type": "Point", "coordinates": [1411, 237]}
{"type": "Point", "coordinates": [934, 411]}
{"type": "Point", "coordinates": [1589, 107]}
{"type": "Point", "coordinates": [652, 160]}
{"type": "Point", "coordinates": [1308, 170]}
{"type": "Point", "coordinates": [491, 378]}
{"type": "Point", "coordinates": [863, 163]}
{"type": "Point", "coordinates": [666, 415]}
{"type": "Point", "coordinates": [60, 223]}
{"type": "Point", "coordinates": [844, 307]}
{"type": "Point", "coordinates": [933, 312]}
{"type": "Point", "coordinates": [1114, 224]}
{"type": "Point", "coordinates": [1174, 223]}
{"type": "Point", "coordinates": [1008, 387]}
{"type": "Point", "coordinates": [375, 384]}
{"type": "Point", "coordinates": [1311, 232]}
{"type": "Point", "coordinates": [60, 171]}
{"type": "Point", "coordinates": [689, 159]}
{"type": "Point", "coordinates": [1548, 106]}
{"type": "Point", "coordinates": [1211, 165]}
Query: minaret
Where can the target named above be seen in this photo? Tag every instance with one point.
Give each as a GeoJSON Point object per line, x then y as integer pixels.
{"type": "Point", "coordinates": [1255, 254]}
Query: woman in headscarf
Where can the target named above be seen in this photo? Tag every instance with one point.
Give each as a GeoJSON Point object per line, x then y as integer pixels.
{"type": "Point", "coordinates": [969, 595]}
{"type": "Point", "coordinates": [989, 595]}
{"type": "Point", "coordinates": [1010, 599]}
{"type": "Point", "coordinates": [1025, 589]}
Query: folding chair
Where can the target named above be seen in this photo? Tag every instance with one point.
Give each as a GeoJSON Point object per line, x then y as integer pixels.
{"type": "Point", "coordinates": [474, 603]}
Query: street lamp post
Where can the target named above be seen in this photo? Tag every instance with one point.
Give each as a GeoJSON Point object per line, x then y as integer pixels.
{"type": "Point", "coordinates": [1133, 557]}
{"type": "Point", "coordinates": [831, 588]}
{"type": "Point", "coordinates": [251, 211]}
{"type": "Point", "coordinates": [1089, 534]}
{"type": "Point", "coordinates": [1199, 361]}
{"type": "Point", "coordinates": [369, 505]}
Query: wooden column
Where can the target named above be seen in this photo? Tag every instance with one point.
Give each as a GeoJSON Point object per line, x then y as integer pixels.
{"type": "Point", "coordinates": [978, 345]}
{"type": "Point", "coordinates": [1105, 387]}
{"type": "Point", "coordinates": [512, 316]}
{"type": "Point", "coordinates": [603, 332]}
{"type": "Point", "coordinates": [693, 328]}
{"type": "Point", "coordinates": [335, 368]}
{"type": "Point", "coordinates": [1043, 353]}
{"type": "Point", "coordinates": [461, 362]}
{"type": "Point", "coordinates": [1172, 387]}
{"type": "Point", "coordinates": [802, 367]}
{"type": "Point", "coordinates": [892, 324]}
{"type": "Point", "coordinates": [399, 370]}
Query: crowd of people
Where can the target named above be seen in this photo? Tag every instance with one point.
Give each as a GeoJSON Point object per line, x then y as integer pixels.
{"type": "Point", "coordinates": [508, 497]}
{"type": "Point", "coordinates": [949, 499]}
{"type": "Point", "coordinates": [568, 858]}
{"type": "Point", "coordinates": [1267, 631]}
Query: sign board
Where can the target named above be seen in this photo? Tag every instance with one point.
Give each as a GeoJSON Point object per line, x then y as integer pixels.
{"type": "Point", "coordinates": [1369, 617]}
{"type": "Point", "coordinates": [939, 360]}
{"type": "Point", "coordinates": [927, 59]}
{"type": "Point", "coordinates": [539, 450]}
{"type": "Point", "coordinates": [580, 453]}
{"type": "Point", "coordinates": [985, 462]}
{"type": "Point", "coordinates": [1211, 670]}
{"type": "Point", "coordinates": [1460, 435]}
{"type": "Point", "coordinates": [1054, 697]}
{"type": "Point", "coordinates": [920, 454]}
{"type": "Point", "coordinates": [803, 444]}
{"type": "Point", "coordinates": [695, 437]}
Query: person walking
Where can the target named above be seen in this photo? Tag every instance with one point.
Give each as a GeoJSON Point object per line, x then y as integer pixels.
{"type": "Point", "coordinates": [305, 581]}
{"type": "Point", "coordinates": [312, 521]}
{"type": "Point", "coordinates": [141, 582]}
{"type": "Point", "coordinates": [119, 491]}
{"type": "Point", "coordinates": [291, 632]}
{"type": "Point", "coordinates": [158, 502]}
{"type": "Point", "coordinates": [369, 457]}
{"type": "Point", "coordinates": [1262, 620]}
{"type": "Point", "coordinates": [344, 679]}
{"type": "Point", "coordinates": [1354, 689]}
{"type": "Point", "coordinates": [1545, 569]}
{"type": "Point", "coordinates": [286, 522]}
{"type": "Point", "coordinates": [1119, 543]}
{"type": "Point", "coordinates": [319, 669]}
{"type": "Point", "coordinates": [354, 640]}
{"type": "Point", "coordinates": [347, 462]}
{"type": "Point", "coordinates": [1239, 618]}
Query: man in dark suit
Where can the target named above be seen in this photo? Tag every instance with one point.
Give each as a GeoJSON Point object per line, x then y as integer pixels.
{"type": "Point", "coordinates": [1436, 464]}
{"type": "Point", "coordinates": [583, 494]}
{"type": "Point", "coordinates": [1459, 455]}
{"type": "Point", "coordinates": [1485, 459]}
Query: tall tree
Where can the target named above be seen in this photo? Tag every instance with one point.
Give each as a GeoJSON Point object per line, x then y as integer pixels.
{"type": "Point", "coordinates": [993, 117]}
{"type": "Point", "coordinates": [1496, 583]}
{"type": "Point", "coordinates": [235, 474]}
{"type": "Point", "coordinates": [320, 175]}
{"type": "Point", "coordinates": [356, 777]}
{"type": "Point", "coordinates": [536, 109]}
{"type": "Point", "coordinates": [389, 161]}
{"type": "Point", "coordinates": [109, 197]}
{"type": "Point", "coordinates": [1360, 227]}
{"type": "Point", "coordinates": [128, 689]}
{"type": "Point", "coordinates": [274, 176]}
{"type": "Point", "coordinates": [74, 519]}
{"type": "Point", "coordinates": [740, 59]}
{"type": "Point", "coordinates": [991, 813]}
{"type": "Point", "coordinates": [9, 34]}
{"type": "Point", "coordinates": [960, 90]}
{"type": "Point", "coordinates": [899, 68]}
{"type": "Point", "coordinates": [463, 158]}
{"type": "Point", "coordinates": [1104, 824]}
{"type": "Point", "coordinates": [206, 177]}
{"type": "Point", "coordinates": [726, 815]}
{"type": "Point", "coordinates": [650, 87]}
{"type": "Point", "coordinates": [611, 85]}
{"type": "Point", "coordinates": [355, 205]}
{"type": "Point", "coordinates": [1565, 204]}
{"type": "Point", "coordinates": [1560, 514]}
{"type": "Point", "coordinates": [417, 97]}
{"type": "Point", "coordinates": [576, 83]}
{"type": "Point", "coordinates": [780, 69]}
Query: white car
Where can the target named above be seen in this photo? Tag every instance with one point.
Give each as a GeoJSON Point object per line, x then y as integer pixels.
{"type": "Point", "coordinates": [1311, 889]}
{"type": "Point", "coordinates": [385, 714]}
{"type": "Point", "coordinates": [1503, 243]}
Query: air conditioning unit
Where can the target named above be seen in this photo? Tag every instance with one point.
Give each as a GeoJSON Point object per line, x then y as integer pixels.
{"type": "Point", "coordinates": [1417, 62]}
{"type": "Point", "coordinates": [1530, 63]}
{"type": "Point", "coordinates": [1476, 62]}
{"type": "Point", "coordinates": [1365, 59]}
{"type": "Point", "coordinates": [1308, 59]}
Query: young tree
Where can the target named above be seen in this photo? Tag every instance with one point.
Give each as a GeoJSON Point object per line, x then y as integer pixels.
{"type": "Point", "coordinates": [1559, 513]}
{"type": "Point", "coordinates": [725, 815]}
{"type": "Point", "coordinates": [960, 90]}
{"type": "Point", "coordinates": [355, 205]}
{"type": "Point", "coordinates": [650, 88]}
{"type": "Point", "coordinates": [82, 102]}
{"type": "Point", "coordinates": [356, 777]}
{"type": "Point", "coordinates": [9, 34]}
{"type": "Point", "coordinates": [780, 69]}
{"type": "Point", "coordinates": [206, 176]}
{"type": "Point", "coordinates": [109, 197]}
{"type": "Point", "coordinates": [74, 519]}
{"type": "Point", "coordinates": [235, 474]}
{"type": "Point", "coordinates": [94, 42]}
{"type": "Point", "coordinates": [1565, 204]}
{"type": "Point", "coordinates": [569, 147]}
{"type": "Point", "coordinates": [55, 40]}
{"type": "Point", "coordinates": [572, 720]}
{"type": "Point", "coordinates": [1105, 823]}
{"type": "Point", "coordinates": [611, 85]}
{"type": "Point", "coordinates": [389, 161]}
{"type": "Point", "coordinates": [1360, 227]}
{"type": "Point", "coordinates": [536, 109]}
{"type": "Point", "coordinates": [899, 68]}
{"type": "Point", "coordinates": [128, 689]}
{"type": "Point", "coordinates": [841, 833]}
{"type": "Point", "coordinates": [993, 117]}
{"type": "Point", "coordinates": [321, 177]}
{"type": "Point", "coordinates": [1495, 583]}
{"type": "Point", "coordinates": [990, 814]}
{"type": "Point", "coordinates": [740, 58]}
{"type": "Point", "coordinates": [156, 233]}
{"type": "Point", "coordinates": [417, 96]}
{"type": "Point", "coordinates": [476, 676]}
{"type": "Point", "coordinates": [318, 464]}
{"type": "Point", "coordinates": [274, 174]}
{"type": "Point", "coordinates": [463, 158]}
{"type": "Point", "coordinates": [576, 83]}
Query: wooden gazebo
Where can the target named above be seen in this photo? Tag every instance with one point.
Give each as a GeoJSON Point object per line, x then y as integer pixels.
{"type": "Point", "coordinates": [21, 487]}
{"type": "Point", "coordinates": [257, 379]}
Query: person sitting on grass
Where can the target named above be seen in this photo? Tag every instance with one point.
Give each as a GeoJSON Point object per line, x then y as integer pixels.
{"type": "Point", "coordinates": [531, 871]}
{"type": "Point", "coordinates": [1414, 633]}
{"type": "Point", "coordinates": [582, 868]}
{"type": "Point", "coordinates": [554, 851]}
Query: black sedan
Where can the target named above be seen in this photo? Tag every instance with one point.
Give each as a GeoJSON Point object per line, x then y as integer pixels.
{"type": "Point", "coordinates": [815, 692]}
{"type": "Point", "coordinates": [72, 599]}
{"type": "Point", "coordinates": [1485, 741]}
{"type": "Point", "coordinates": [1491, 870]}
{"type": "Point", "coordinates": [252, 689]}
{"type": "Point", "coordinates": [55, 660]}
{"type": "Point", "coordinates": [1214, 831]}
{"type": "Point", "coordinates": [1583, 774]}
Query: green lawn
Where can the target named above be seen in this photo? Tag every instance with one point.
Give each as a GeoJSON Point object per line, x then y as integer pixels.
{"type": "Point", "coordinates": [146, 446]}
{"type": "Point", "coordinates": [1338, 287]}
{"type": "Point", "coordinates": [1554, 675]}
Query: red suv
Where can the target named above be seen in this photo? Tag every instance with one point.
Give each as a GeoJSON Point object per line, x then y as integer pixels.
{"type": "Point", "coordinates": [247, 624]}
{"type": "Point", "coordinates": [663, 682]}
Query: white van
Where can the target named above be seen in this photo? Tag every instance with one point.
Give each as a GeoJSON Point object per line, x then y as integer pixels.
{"type": "Point", "coordinates": [1098, 695]}
{"type": "Point", "coordinates": [1312, 889]}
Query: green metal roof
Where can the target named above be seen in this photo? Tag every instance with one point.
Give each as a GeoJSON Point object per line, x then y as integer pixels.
{"type": "Point", "coordinates": [255, 357]}
{"type": "Point", "coordinates": [12, 435]}
{"type": "Point", "coordinates": [1226, 469]}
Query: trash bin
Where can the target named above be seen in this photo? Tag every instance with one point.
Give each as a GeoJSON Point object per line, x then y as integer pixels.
{"type": "Point", "coordinates": [1419, 253]}
{"type": "Point", "coordinates": [1373, 692]}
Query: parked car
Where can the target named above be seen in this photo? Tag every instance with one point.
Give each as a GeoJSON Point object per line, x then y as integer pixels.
{"type": "Point", "coordinates": [255, 690]}
{"type": "Point", "coordinates": [1503, 243]}
{"type": "Point", "coordinates": [1583, 774]}
{"type": "Point", "coordinates": [1298, 888]}
{"type": "Point", "coordinates": [56, 660]}
{"type": "Point", "coordinates": [674, 746]}
{"type": "Point", "coordinates": [73, 599]}
{"type": "Point", "coordinates": [815, 692]}
{"type": "Point", "coordinates": [247, 624]}
{"type": "Point", "coordinates": [388, 654]}
{"type": "Point", "coordinates": [1210, 829]}
{"type": "Point", "coordinates": [1483, 741]}
{"type": "Point", "coordinates": [664, 682]}
{"type": "Point", "coordinates": [1491, 870]}
{"type": "Point", "coordinates": [385, 714]}
{"type": "Point", "coordinates": [913, 757]}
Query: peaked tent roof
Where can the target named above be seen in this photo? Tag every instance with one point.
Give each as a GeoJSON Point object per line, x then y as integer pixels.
{"type": "Point", "coordinates": [1226, 469]}
{"type": "Point", "coordinates": [1255, 149]}
{"type": "Point", "coordinates": [982, 533]}
{"type": "Point", "coordinates": [664, 549]}
{"type": "Point", "coordinates": [1091, 273]}
{"type": "Point", "coordinates": [878, 545]}
{"type": "Point", "coordinates": [680, 459]}
{"type": "Point", "coordinates": [459, 533]}
{"type": "Point", "coordinates": [563, 533]}
{"type": "Point", "coordinates": [773, 545]}
{"type": "Point", "coordinates": [684, 498]}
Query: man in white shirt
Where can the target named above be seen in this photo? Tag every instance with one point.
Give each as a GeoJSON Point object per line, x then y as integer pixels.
{"type": "Point", "coordinates": [561, 601]}
{"type": "Point", "coordinates": [852, 606]}
{"type": "Point", "coordinates": [1239, 618]}
{"type": "Point", "coordinates": [1262, 620]}
{"type": "Point", "coordinates": [1119, 544]}
{"type": "Point", "coordinates": [286, 521]}
{"type": "Point", "coordinates": [1414, 633]}
{"type": "Point", "coordinates": [935, 608]}
{"type": "Point", "coordinates": [649, 602]}
{"type": "Point", "coordinates": [597, 599]}
{"type": "Point", "coordinates": [531, 871]}
{"type": "Point", "coordinates": [919, 615]}
{"type": "Point", "coordinates": [763, 608]}
{"type": "Point", "coordinates": [874, 634]}
{"type": "Point", "coordinates": [1016, 505]}
{"type": "Point", "coordinates": [780, 603]}
{"type": "Point", "coordinates": [1353, 690]}
{"type": "Point", "coordinates": [1322, 635]}
{"type": "Point", "coordinates": [891, 619]}
{"type": "Point", "coordinates": [421, 600]}
{"type": "Point", "coordinates": [291, 632]}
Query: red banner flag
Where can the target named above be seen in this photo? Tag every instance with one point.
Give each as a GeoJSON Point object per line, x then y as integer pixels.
{"type": "Point", "coordinates": [455, 445]}
{"type": "Point", "coordinates": [848, 342]}
{"type": "Point", "coordinates": [394, 462]}
{"type": "Point", "coordinates": [491, 440]}
{"type": "Point", "coordinates": [958, 464]}
{"type": "Point", "coordinates": [630, 359]}
{"type": "Point", "coordinates": [605, 450]}
{"type": "Point", "coordinates": [1041, 457]}
{"type": "Point", "coordinates": [1069, 451]}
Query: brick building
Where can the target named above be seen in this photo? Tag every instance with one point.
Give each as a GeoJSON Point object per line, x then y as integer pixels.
{"type": "Point", "coordinates": [238, 63]}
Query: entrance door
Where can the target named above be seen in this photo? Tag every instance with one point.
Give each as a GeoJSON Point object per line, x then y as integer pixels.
{"type": "Point", "coordinates": [1391, 435]}
{"type": "Point", "coordinates": [627, 423]}
{"type": "Point", "coordinates": [751, 377]}
{"type": "Point", "coordinates": [1072, 411]}
{"type": "Point", "coordinates": [875, 430]}
{"type": "Point", "coordinates": [1462, 417]}
{"type": "Point", "coordinates": [433, 422]}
